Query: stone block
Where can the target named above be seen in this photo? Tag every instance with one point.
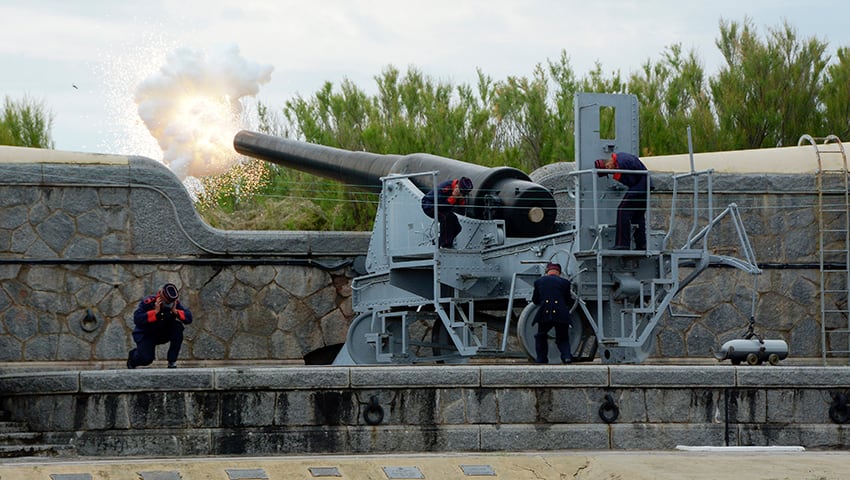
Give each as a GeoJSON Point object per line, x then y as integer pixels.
{"type": "Point", "coordinates": [247, 409]}
{"type": "Point", "coordinates": [419, 376]}
{"type": "Point", "coordinates": [337, 243]}
{"type": "Point", "coordinates": [811, 436]}
{"type": "Point", "coordinates": [294, 440]}
{"type": "Point", "coordinates": [517, 405]}
{"type": "Point", "coordinates": [40, 383]}
{"type": "Point", "coordinates": [21, 173]}
{"type": "Point", "coordinates": [285, 378]}
{"type": "Point", "coordinates": [104, 412]}
{"type": "Point", "coordinates": [544, 375]}
{"type": "Point", "coordinates": [684, 406]}
{"type": "Point", "coordinates": [532, 437]}
{"type": "Point", "coordinates": [411, 438]}
{"type": "Point", "coordinates": [203, 409]}
{"type": "Point", "coordinates": [747, 405]}
{"type": "Point", "coordinates": [796, 405]}
{"type": "Point", "coordinates": [569, 405]}
{"type": "Point", "coordinates": [155, 410]}
{"type": "Point", "coordinates": [146, 379]}
{"type": "Point", "coordinates": [672, 376]}
{"type": "Point", "coordinates": [148, 443]}
{"type": "Point", "coordinates": [798, 376]}
{"type": "Point", "coordinates": [659, 436]}
{"type": "Point", "coordinates": [481, 405]}
{"type": "Point", "coordinates": [318, 407]}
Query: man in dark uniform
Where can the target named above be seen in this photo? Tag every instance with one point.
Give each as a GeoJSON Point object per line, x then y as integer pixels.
{"type": "Point", "coordinates": [159, 320]}
{"type": "Point", "coordinates": [448, 195]}
{"type": "Point", "coordinates": [632, 209]}
{"type": "Point", "coordinates": [552, 294]}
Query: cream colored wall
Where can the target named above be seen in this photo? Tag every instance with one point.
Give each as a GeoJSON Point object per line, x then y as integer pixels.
{"type": "Point", "coordinates": [785, 160]}
{"type": "Point", "coordinates": [41, 155]}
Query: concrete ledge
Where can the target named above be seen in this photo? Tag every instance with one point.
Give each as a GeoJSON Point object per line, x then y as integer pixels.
{"type": "Point", "coordinates": [672, 376]}
{"type": "Point", "coordinates": [542, 376]}
{"type": "Point", "coordinates": [797, 376]}
{"type": "Point", "coordinates": [41, 382]}
{"type": "Point", "coordinates": [421, 376]}
{"type": "Point", "coordinates": [292, 378]}
{"type": "Point", "coordinates": [448, 376]}
{"type": "Point", "coordinates": [146, 380]}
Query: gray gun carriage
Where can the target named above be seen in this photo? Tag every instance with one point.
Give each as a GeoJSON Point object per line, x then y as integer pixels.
{"type": "Point", "coordinates": [421, 303]}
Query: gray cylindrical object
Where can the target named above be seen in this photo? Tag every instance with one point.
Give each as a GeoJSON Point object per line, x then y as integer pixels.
{"type": "Point", "coordinates": [528, 209]}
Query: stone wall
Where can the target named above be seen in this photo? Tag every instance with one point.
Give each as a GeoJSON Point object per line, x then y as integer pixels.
{"type": "Point", "coordinates": [84, 238]}
{"type": "Point", "coordinates": [309, 410]}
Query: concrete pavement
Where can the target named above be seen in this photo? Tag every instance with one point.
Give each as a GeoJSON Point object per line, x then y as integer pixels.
{"type": "Point", "coordinates": [756, 464]}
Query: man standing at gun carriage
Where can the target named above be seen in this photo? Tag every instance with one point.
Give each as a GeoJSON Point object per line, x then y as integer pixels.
{"type": "Point", "coordinates": [159, 319]}
{"type": "Point", "coordinates": [632, 209]}
{"type": "Point", "coordinates": [448, 196]}
{"type": "Point", "coordinates": [553, 296]}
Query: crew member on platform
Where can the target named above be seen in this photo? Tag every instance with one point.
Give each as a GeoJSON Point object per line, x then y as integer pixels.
{"type": "Point", "coordinates": [159, 320]}
{"type": "Point", "coordinates": [632, 209]}
{"type": "Point", "coordinates": [552, 295]}
{"type": "Point", "coordinates": [450, 195]}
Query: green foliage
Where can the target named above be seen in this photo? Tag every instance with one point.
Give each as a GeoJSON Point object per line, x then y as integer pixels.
{"type": "Point", "coordinates": [673, 95]}
{"type": "Point", "coordinates": [770, 91]}
{"type": "Point", "coordinates": [25, 123]}
{"type": "Point", "coordinates": [766, 95]}
{"type": "Point", "coordinates": [836, 96]}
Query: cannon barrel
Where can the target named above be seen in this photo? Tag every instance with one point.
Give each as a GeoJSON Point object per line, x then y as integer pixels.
{"type": "Point", "coordinates": [527, 208]}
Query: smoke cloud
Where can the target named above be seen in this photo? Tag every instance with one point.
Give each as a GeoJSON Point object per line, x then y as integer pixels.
{"type": "Point", "coordinates": [192, 107]}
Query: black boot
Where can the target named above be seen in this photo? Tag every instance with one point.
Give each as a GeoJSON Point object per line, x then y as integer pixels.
{"type": "Point", "coordinates": [130, 359]}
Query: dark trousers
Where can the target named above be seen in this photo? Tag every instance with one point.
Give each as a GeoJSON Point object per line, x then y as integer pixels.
{"type": "Point", "coordinates": [449, 226]}
{"type": "Point", "coordinates": [562, 340]}
{"type": "Point", "coordinates": [632, 211]}
{"type": "Point", "coordinates": [145, 351]}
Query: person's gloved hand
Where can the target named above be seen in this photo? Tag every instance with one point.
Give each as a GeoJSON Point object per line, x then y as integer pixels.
{"type": "Point", "coordinates": [600, 165]}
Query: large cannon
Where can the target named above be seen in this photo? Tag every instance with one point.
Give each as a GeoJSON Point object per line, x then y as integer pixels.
{"type": "Point", "coordinates": [499, 193]}
{"type": "Point", "coordinates": [421, 303]}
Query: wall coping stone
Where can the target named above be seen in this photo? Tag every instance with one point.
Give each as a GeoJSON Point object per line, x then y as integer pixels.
{"type": "Point", "coordinates": [287, 378]}
{"type": "Point", "coordinates": [794, 376]}
{"type": "Point", "coordinates": [152, 379]}
{"type": "Point", "coordinates": [416, 376]}
{"type": "Point", "coordinates": [40, 382]}
{"type": "Point", "coordinates": [455, 376]}
{"type": "Point", "coordinates": [671, 375]}
{"type": "Point", "coordinates": [544, 376]}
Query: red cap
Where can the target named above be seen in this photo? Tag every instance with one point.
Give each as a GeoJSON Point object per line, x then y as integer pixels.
{"type": "Point", "coordinates": [553, 266]}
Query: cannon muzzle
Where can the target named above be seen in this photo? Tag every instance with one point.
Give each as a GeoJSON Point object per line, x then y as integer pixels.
{"type": "Point", "coordinates": [527, 208]}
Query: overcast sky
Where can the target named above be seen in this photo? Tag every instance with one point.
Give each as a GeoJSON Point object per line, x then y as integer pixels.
{"type": "Point", "coordinates": [85, 58]}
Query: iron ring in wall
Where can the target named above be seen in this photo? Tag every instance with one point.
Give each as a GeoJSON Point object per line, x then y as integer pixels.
{"type": "Point", "coordinates": [373, 414]}
{"type": "Point", "coordinates": [89, 322]}
{"type": "Point", "coordinates": [609, 411]}
{"type": "Point", "coordinates": [839, 411]}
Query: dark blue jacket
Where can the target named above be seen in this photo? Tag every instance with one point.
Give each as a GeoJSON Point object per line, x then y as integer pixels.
{"type": "Point", "coordinates": [149, 323]}
{"type": "Point", "coordinates": [635, 182]}
{"type": "Point", "coordinates": [445, 205]}
{"type": "Point", "coordinates": [552, 293]}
